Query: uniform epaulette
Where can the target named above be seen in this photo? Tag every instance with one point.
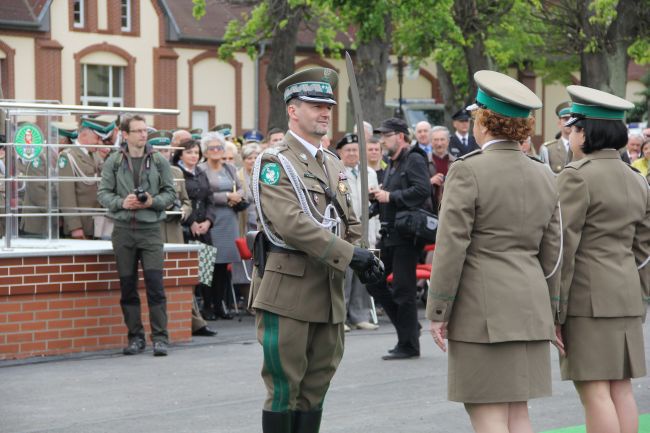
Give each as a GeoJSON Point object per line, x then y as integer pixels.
{"type": "Point", "coordinates": [578, 164]}
{"type": "Point", "coordinates": [467, 155]}
{"type": "Point", "coordinates": [548, 143]}
{"type": "Point", "coordinates": [633, 168]}
{"type": "Point", "coordinates": [536, 159]}
{"type": "Point", "coordinates": [274, 151]}
{"type": "Point", "coordinates": [330, 152]}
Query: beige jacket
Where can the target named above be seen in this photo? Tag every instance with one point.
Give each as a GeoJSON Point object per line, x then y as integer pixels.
{"type": "Point", "coordinates": [305, 287]}
{"type": "Point", "coordinates": [606, 220]}
{"type": "Point", "coordinates": [496, 243]}
{"type": "Point", "coordinates": [74, 162]}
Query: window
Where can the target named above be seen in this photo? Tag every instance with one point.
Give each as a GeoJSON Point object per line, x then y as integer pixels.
{"type": "Point", "coordinates": [78, 13]}
{"type": "Point", "coordinates": [102, 85]}
{"type": "Point", "coordinates": [4, 77]}
{"type": "Point", "coordinates": [200, 119]}
{"type": "Point", "coordinates": [125, 13]}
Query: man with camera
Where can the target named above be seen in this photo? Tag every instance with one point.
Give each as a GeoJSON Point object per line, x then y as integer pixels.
{"type": "Point", "coordinates": [406, 186]}
{"type": "Point", "coordinates": [136, 187]}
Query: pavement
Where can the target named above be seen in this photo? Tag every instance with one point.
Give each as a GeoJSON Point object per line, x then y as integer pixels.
{"type": "Point", "coordinates": [213, 385]}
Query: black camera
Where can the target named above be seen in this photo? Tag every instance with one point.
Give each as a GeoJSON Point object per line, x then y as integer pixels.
{"type": "Point", "coordinates": [140, 194]}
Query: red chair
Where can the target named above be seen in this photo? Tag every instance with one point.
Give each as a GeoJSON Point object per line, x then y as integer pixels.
{"type": "Point", "coordinates": [429, 247]}
{"type": "Point", "coordinates": [420, 274]}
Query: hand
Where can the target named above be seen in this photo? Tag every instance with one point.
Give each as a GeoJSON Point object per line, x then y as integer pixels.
{"type": "Point", "coordinates": [437, 179]}
{"type": "Point", "coordinates": [195, 228]}
{"type": "Point", "coordinates": [559, 343]}
{"type": "Point", "coordinates": [368, 268]}
{"type": "Point", "coordinates": [382, 196]}
{"type": "Point", "coordinates": [204, 227]}
{"type": "Point", "coordinates": [438, 331]}
{"type": "Point", "coordinates": [77, 234]}
{"type": "Point", "coordinates": [130, 202]}
{"type": "Point", "coordinates": [234, 198]}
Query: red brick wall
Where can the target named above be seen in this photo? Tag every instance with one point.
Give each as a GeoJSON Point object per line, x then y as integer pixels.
{"type": "Point", "coordinates": [63, 304]}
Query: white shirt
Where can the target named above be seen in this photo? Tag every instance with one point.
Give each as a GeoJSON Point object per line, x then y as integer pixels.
{"type": "Point", "coordinates": [461, 137]}
{"type": "Point", "coordinates": [491, 142]}
{"type": "Point", "coordinates": [355, 194]}
{"type": "Point", "coordinates": [566, 144]}
{"type": "Point", "coordinates": [82, 146]}
{"type": "Point", "coordinates": [310, 147]}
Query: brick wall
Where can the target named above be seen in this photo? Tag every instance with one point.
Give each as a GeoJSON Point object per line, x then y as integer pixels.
{"type": "Point", "coordinates": [62, 304]}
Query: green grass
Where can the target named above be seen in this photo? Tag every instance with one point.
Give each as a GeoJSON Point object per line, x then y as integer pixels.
{"type": "Point", "coordinates": [644, 426]}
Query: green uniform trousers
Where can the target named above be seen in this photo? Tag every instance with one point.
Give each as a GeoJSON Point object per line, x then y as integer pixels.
{"type": "Point", "coordinates": [130, 246]}
{"type": "Point", "coordinates": [300, 359]}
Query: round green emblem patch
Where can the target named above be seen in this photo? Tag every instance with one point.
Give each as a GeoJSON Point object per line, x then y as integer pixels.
{"type": "Point", "coordinates": [270, 174]}
{"type": "Point", "coordinates": [29, 140]}
{"type": "Point", "coordinates": [63, 161]}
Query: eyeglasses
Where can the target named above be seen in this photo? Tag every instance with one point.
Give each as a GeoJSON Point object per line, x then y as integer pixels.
{"type": "Point", "coordinates": [218, 147]}
{"type": "Point", "coordinates": [138, 131]}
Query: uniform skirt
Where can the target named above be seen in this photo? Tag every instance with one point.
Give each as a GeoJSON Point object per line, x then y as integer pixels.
{"type": "Point", "coordinates": [602, 348]}
{"type": "Point", "coordinates": [499, 372]}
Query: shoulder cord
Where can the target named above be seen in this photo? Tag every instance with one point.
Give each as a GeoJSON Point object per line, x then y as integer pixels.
{"type": "Point", "coordinates": [330, 220]}
{"type": "Point", "coordinates": [559, 256]}
{"type": "Point", "coordinates": [78, 172]}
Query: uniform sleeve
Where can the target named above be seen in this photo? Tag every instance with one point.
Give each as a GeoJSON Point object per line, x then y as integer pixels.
{"type": "Point", "coordinates": [186, 203]}
{"type": "Point", "coordinates": [106, 192]}
{"type": "Point", "coordinates": [641, 249]}
{"type": "Point", "coordinates": [67, 195]}
{"type": "Point", "coordinates": [457, 215]}
{"type": "Point", "coordinates": [550, 257]}
{"type": "Point", "coordinates": [166, 193]}
{"type": "Point", "coordinates": [419, 186]}
{"type": "Point", "coordinates": [281, 209]}
{"type": "Point", "coordinates": [574, 200]}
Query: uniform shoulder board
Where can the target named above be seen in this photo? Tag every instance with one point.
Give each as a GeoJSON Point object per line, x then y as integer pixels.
{"type": "Point", "coordinates": [331, 153]}
{"type": "Point", "coordinates": [536, 159]}
{"type": "Point", "coordinates": [468, 155]}
{"type": "Point", "coordinates": [273, 151]}
{"type": "Point", "coordinates": [548, 143]}
{"type": "Point", "coordinates": [633, 168]}
{"type": "Point", "coordinates": [579, 163]}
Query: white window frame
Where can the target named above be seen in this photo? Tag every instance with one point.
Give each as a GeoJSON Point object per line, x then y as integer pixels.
{"type": "Point", "coordinates": [110, 100]}
{"type": "Point", "coordinates": [82, 9]}
{"type": "Point", "coordinates": [128, 15]}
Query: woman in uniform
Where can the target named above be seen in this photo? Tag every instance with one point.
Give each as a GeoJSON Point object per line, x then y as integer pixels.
{"type": "Point", "coordinates": [605, 278]}
{"type": "Point", "coordinates": [495, 285]}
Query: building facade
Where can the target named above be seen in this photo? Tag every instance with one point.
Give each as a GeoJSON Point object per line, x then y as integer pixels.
{"type": "Point", "coordinates": [153, 54]}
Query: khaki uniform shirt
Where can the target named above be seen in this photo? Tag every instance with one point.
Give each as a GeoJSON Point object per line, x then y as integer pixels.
{"type": "Point", "coordinates": [305, 287]}
{"type": "Point", "coordinates": [495, 245]}
{"type": "Point", "coordinates": [606, 219]}
{"type": "Point", "coordinates": [35, 198]}
{"type": "Point", "coordinates": [74, 162]}
{"type": "Point", "coordinates": [558, 156]}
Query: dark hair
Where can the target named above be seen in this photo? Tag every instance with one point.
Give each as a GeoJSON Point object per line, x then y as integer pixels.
{"type": "Point", "coordinates": [274, 131]}
{"type": "Point", "coordinates": [186, 145]}
{"type": "Point", "coordinates": [127, 119]}
{"type": "Point", "coordinates": [644, 144]}
{"type": "Point", "coordinates": [602, 134]}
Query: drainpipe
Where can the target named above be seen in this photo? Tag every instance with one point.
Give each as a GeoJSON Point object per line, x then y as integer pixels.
{"type": "Point", "coordinates": [256, 92]}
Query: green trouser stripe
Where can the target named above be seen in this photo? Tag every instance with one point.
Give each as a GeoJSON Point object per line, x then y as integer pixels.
{"type": "Point", "coordinates": [272, 361]}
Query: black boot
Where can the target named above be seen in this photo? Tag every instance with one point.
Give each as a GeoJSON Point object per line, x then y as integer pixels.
{"type": "Point", "coordinates": [206, 310]}
{"type": "Point", "coordinates": [307, 422]}
{"type": "Point", "coordinates": [277, 422]}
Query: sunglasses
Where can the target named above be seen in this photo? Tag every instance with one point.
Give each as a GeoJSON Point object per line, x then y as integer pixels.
{"type": "Point", "coordinates": [219, 147]}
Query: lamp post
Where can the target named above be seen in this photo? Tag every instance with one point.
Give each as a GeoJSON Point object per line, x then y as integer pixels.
{"type": "Point", "coordinates": [400, 81]}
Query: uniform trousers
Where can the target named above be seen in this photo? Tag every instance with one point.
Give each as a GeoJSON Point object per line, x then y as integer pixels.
{"type": "Point", "coordinates": [300, 359]}
{"type": "Point", "coordinates": [132, 245]}
{"type": "Point", "coordinates": [400, 303]}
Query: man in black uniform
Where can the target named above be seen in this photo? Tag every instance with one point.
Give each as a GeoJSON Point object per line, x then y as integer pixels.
{"type": "Point", "coordinates": [461, 143]}
{"type": "Point", "coordinates": [405, 186]}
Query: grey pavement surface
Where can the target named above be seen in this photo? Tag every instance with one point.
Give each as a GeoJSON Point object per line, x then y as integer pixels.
{"type": "Point", "coordinates": [212, 385]}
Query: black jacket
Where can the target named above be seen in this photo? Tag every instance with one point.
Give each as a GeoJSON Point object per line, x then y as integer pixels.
{"type": "Point", "coordinates": [198, 190]}
{"type": "Point", "coordinates": [407, 181]}
{"type": "Point", "coordinates": [456, 148]}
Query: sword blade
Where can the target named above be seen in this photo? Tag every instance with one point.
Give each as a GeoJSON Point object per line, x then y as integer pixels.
{"type": "Point", "coordinates": [363, 157]}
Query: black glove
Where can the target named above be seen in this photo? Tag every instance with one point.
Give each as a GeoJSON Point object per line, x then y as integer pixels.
{"type": "Point", "coordinates": [368, 268]}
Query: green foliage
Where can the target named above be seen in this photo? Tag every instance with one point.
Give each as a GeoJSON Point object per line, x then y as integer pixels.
{"type": "Point", "coordinates": [640, 51]}
{"type": "Point", "coordinates": [249, 32]}
{"type": "Point", "coordinates": [198, 9]}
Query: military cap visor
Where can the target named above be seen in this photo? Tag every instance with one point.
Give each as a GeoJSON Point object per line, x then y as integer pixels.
{"type": "Point", "coordinates": [347, 139]}
{"type": "Point", "coordinates": [591, 103]}
{"type": "Point", "coordinates": [504, 95]}
{"type": "Point", "coordinates": [314, 85]}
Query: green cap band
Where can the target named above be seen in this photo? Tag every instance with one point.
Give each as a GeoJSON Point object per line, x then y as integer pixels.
{"type": "Point", "coordinates": [87, 123]}
{"type": "Point", "coordinates": [196, 136]}
{"type": "Point", "coordinates": [70, 133]}
{"type": "Point", "coordinates": [564, 112]}
{"type": "Point", "coordinates": [504, 108]}
{"type": "Point", "coordinates": [159, 141]}
{"type": "Point", "coordinates": [597, 112]}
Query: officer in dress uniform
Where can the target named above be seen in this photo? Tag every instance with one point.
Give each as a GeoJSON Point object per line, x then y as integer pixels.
{"type": "Point", "coordinates": [495, 281]}
{"type": "Point", "coordinates": [78, 162]}
{"type": "Point", "coordinates": [605, 287]}
{"type": "Point", "coordinates": [461, 142]}
{"type": "Point", "coordinates": [297, 287]}
{"type": "Point", "coordinates": [557, 153]}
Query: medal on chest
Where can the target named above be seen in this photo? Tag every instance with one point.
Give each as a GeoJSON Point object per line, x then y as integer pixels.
{"type": "Point", "coordinates": [343, 187]}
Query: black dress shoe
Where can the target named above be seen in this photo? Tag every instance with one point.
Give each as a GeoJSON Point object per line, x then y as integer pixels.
{"type": "Point", "coordinates": [159, 348]}
{"type": "Point", "coordinates": [204, 332]}
{"type": "Point", "coordinates": [399, 354]}
{"type": "Point", "coordinates": [136, 345]}
{"type": "Point", "coordinates": [208, 315]}
{"type": "Point", "coordinates": [393, 349]}
{"type": "Point", "coordinates": [224, 315]}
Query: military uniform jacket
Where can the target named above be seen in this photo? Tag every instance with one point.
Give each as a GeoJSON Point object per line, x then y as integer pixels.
{"type": "Point", "coordinates": [35, 198]}
{"type": "Point", "coordinates": [558, 156]}
{"type": "Point", "coordinates": [74, 162]}
{"type": "Point", "coordinates": [307, 286]}
{"type": "Point", "coordinates": [172, 230]}
{"type": "Point", "coordinates": [496, 242]}
{"type": "Point", "coordinates": [606, 219]}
